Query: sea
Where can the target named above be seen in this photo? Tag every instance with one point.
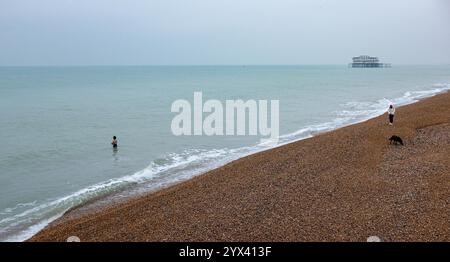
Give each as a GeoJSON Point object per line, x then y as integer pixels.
{"type": "Point", "coordinates": [56, 125]}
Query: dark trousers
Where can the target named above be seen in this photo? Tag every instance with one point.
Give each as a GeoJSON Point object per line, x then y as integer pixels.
{"type": "Point", "coordinates": [391, 118]}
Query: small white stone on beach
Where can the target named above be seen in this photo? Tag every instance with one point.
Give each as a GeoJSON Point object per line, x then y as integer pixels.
{"type": "Point", "coordinates": [373, 239]}
{"type": "Point", "coordinates": [73, 239]}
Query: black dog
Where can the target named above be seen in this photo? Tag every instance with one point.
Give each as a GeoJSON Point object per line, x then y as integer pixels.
{"type": "Point", "coordinates": [396, 140]}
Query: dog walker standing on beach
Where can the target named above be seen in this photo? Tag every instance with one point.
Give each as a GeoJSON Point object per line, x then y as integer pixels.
{"type": "Point", "coordinates": [391, 112]}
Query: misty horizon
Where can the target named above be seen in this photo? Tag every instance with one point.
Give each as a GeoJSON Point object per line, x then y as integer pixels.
{"type": "Point", "coordinates": [177, 33]}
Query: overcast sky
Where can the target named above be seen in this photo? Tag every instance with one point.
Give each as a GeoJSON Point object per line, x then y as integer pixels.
{"type": "Point", "coordinates": [160, 32]}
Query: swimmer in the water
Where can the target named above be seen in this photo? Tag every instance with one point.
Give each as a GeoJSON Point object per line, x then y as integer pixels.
{"type": "Point", "coordinates": [114, 142]}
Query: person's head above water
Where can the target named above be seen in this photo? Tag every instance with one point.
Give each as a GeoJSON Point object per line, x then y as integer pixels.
{"type": "Point", "coordinates": [391, 106]}
{"type": "Point", "coordinates": [114, 137]}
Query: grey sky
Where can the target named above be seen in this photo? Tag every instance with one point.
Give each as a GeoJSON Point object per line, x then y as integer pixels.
{"type": "Point", "coordinates": [92, 32]}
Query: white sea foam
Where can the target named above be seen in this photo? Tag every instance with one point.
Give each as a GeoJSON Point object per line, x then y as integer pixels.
{"type": "Point", "coordinates": [27, 221]}
{"type": "Point", "coordinates": [17, 207]}
{"type": "Point", "coordinates": [355, 112]}
{"type": "Point", "coordinates": [182, 166]}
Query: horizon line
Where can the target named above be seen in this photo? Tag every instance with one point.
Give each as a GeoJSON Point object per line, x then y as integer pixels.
{"type": "Point", "coordinates": [180, 65]}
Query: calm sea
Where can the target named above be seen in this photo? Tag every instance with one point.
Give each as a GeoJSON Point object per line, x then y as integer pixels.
{"type": "Point", "coordinates": [56, 125]}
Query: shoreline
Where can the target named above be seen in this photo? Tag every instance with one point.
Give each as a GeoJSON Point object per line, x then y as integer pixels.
{"type": "Point", "coordinates": [268, 162]}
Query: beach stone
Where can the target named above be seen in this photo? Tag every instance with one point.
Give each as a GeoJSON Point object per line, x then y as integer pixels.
{"type": "Point", "coordinates": [73, 239]}
{"type": "Point", "coordinates": [373, 239]}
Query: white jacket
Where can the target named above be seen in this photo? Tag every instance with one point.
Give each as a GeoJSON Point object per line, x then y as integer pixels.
{"type": "Point", "coordinates": [391, 111]}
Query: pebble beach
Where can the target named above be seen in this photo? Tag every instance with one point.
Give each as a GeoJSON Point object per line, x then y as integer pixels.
{"type": "Point", "coordinates": [345, 185]}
